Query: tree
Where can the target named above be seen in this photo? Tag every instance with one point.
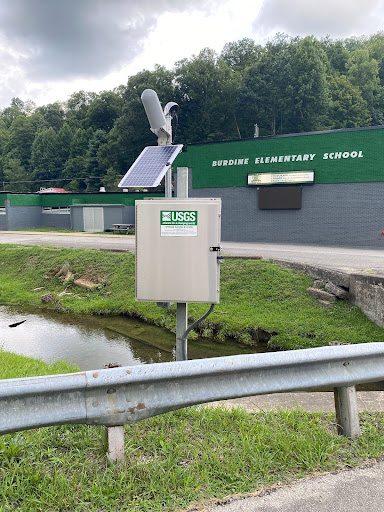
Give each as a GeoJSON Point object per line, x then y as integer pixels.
{"type": "Point", "coordinates": [242, 54]}
{"type": "Point", "coordinates": [4, 136]}
{"type": "Point", "coordinates": [207, 87]}
{"type": "Point", "coordinates": [112, 155]}
{"type": "Point", "coordinates": [22, 133]}
{"type": "Point", "coordinates": [348, 109]}
{"type": "Point", "coordinates": [80, 141]}
{"type": "Point", "coordinates": [76, 108]}
{"type": "Point", "coordinates": [355, 43]}
{"type": "Point", "coordinates": [363, 72]}
{"type": "Point", "coordinates": [9, 114]}
{"type": "Point", "coordinates": [53, 115]}
{"type": "Point", "coordinates": [337, 54]}
{"type": "Point", "coordinates": [375, 45]}
{"type": "Point", "coordinates": [262, 97]}
{"type": "Point", "coordinates": [75, 166]}
{"type": "Point", "coordinates": [104, 110]}
{"type": "Point", "coordinates": [111, 179]}
{"type": "Point", "coordinates": [44, 155]}
{"type": "Point", "coordinates": [92, 168]}
{"type": "Point", "coordinates": [307, 93]}
{"type": "Point", "coordinates": [75, 170]}
{"type": "Point", "coordinates": [24, 107]}
{"type": "Point", "coordinates": [16, 177]}
{"type": "Point", "coordinates": [63, 144]}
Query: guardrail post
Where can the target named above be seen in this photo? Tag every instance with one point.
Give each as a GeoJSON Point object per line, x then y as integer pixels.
{"type": "Point", "coordinates": [115, 439]}
{"type": "Point", "coordinates": [115, 435]}
{"type": "Point", "coordinates": [347, 414]}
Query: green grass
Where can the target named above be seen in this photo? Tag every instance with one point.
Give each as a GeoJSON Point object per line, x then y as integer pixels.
{"type": "Point", "coordinates": [259, 299]}
{"type": "Point", "coordinates": [173, 461]}
{"type": "Point", "coordinates": [12, 365]}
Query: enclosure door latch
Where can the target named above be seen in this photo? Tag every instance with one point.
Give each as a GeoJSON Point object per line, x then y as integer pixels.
{"type": "Point", "coordinates": [220, 258]}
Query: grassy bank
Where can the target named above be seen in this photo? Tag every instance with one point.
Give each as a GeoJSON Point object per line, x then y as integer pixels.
{"type": "Point", "coordinates": [260, 301]}
{"type": "Point", "coordinates": [175, 461]}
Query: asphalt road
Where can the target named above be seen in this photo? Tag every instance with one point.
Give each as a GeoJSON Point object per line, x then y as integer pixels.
{"type": "Point", "coordinates": [358, 490]}
{"type": "Point", "coordinates": [347, 259]}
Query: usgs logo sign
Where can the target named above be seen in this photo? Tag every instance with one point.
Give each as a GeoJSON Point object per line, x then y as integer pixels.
{"type": "Point", "coordinates": [178, 217]}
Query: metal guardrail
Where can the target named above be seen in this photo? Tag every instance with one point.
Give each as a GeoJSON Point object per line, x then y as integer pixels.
{"type": "Point", "coordinates": [126, 395]}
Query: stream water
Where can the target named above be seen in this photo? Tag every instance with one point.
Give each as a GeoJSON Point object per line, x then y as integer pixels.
{"type": "Point", "coordinates": [92, 342]}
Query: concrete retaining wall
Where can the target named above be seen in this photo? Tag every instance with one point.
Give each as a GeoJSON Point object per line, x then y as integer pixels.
{"type": "Point", "coordinates": [366, 291]}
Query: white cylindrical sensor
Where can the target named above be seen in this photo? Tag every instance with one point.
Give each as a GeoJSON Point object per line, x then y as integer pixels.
{"type": "Point", "coordinates": [153, 109]}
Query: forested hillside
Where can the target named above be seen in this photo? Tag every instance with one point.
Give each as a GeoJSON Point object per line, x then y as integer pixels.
{"type": "Point", "coordinates": [287, 85]}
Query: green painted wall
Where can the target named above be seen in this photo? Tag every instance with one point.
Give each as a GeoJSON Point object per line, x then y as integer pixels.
{"type": "Point", "coordinates": [358, 156]}
{"type": "Point", "coordinates": [128, 199]}
{"type": "Point", "coordinates": [23, 199]}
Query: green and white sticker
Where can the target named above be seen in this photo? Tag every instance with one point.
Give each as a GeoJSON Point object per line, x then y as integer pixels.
{"type": "Point", "coordinates": [178, 223]}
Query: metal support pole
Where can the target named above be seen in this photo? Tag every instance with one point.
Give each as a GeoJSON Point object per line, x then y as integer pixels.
{"type": "Point", "coordinates": [181, 327]}
{"type": "Point", "coordinates": [166, 141]}
{"type": "Point", "coordinates": [181, 308]}
{"type": "Point", "coordinates": [347, 414]}
{"type": "Point", "coordinates": [168, 184]}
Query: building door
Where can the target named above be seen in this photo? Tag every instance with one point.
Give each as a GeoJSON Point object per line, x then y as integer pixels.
{"type": "Point", "coordinates": [93, 219]}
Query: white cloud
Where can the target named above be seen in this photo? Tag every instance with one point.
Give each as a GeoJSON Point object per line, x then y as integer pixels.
{"type": "Point", "coordinates": [180, 35]}
{"type": "Point", "coordinates": [72, 38]}
{"type": "Point", "coordinates": [337, 18]}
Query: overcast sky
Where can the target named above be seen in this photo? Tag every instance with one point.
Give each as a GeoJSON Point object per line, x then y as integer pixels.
{"type": "Point", "coordinates": [52, 48]}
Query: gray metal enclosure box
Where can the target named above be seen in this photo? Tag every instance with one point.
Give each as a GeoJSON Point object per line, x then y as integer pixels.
{"type": "Point", "coordinates": [176, 250]}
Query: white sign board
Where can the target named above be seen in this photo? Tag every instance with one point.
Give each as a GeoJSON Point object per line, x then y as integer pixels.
{"type": "Point", "coordinates": [278, 178]}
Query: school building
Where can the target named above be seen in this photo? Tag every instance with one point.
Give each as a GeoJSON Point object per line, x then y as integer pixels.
{"type": "Point", "coordinates": [318, 188]}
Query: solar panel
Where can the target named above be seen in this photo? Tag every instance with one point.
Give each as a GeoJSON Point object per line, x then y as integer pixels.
{"type": "Point", "coordinates": [150, 166]}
